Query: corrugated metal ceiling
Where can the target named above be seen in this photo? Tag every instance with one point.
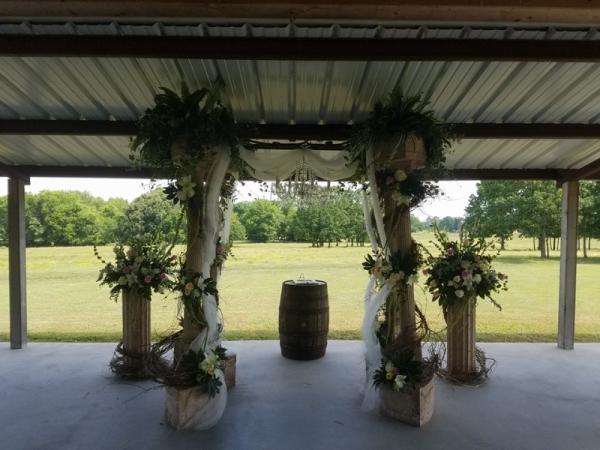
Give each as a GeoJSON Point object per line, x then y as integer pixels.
{"type": "Point", "coordinates": [302, 92]}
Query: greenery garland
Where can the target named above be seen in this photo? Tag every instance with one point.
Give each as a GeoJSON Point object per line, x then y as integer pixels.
{"type": "Point", "coordinates": [192, 288]}
{"type": "Point", "coordinates": [400, 117]}
{"type": "Point", "coordinates": [194, 123]}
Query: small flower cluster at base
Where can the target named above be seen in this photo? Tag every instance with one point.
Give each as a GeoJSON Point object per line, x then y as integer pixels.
{"type": "Point", "coordinates": [204, 369]}
{"type": "Point", "coordinates": [393, 374]}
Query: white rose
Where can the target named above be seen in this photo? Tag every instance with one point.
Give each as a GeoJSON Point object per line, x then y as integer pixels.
{"type": "Point", "coordinates": [477, 278]}
{"type": "Point", "coordinates": [456, 279]}
{"type": "Point", "coordinates": [399, 382]}
{"type": "Point", "coordinates": [459, 293]}
{"type": "Point", "coordinates": [389, 366]}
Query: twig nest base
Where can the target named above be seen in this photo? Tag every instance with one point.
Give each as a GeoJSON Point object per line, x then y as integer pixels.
{"type": "Point", "coordinates": [413, 406]}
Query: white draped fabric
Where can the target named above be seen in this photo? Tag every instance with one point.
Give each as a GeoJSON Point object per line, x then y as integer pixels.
{"type": "Point", "coordinates": [374, 299]}
{"type": "Point", "coordinates": [271, 165]}
{"type": "Point", "coordinates": [208, 411]}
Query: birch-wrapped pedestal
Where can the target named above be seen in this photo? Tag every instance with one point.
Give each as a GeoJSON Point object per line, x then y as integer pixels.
{"type": "Point", "coordinates": [136, 331]}
{"type": "Point", "coordinates": [460, 319]}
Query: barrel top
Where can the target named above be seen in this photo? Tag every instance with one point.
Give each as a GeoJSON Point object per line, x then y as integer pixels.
{"type": "Point", "coordinates": [304, 282]}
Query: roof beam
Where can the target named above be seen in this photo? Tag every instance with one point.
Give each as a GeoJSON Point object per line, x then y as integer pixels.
{"type": "Point", "coordinates": [517, 11]}
{"type": "Point", "coordinates": [304, 49]}
{"type": "Point", "coordinates": [126, 172]}
{"type": "Point", "coordinates": [591, 170]}
{"type": "Point", "coordinates": [331, 132]}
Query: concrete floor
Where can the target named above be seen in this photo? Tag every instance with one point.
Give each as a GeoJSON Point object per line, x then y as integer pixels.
{"type": "Point", "coordinates": [61, 396]}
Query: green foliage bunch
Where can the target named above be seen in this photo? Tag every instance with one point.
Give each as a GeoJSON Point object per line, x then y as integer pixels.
{"type": "Point", "coordinates": [143, 267]}
{"type": "Point", "coordinates": [401, 116]}
{"type": "Point", "coordinates": [461, 270]}
{"type": "Point", "coordinates": [179, 132]}
{"type": "Point", "coordinates": [197, 120]}
{"type": "Point", "coordinates": [202, 369]}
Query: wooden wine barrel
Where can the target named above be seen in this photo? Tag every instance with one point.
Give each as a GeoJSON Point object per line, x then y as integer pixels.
{"type": "Point", "coordinates": [303, 319]}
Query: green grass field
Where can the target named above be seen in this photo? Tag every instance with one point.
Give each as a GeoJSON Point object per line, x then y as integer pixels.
{"type": "Point", "coordinates": [66, 304]}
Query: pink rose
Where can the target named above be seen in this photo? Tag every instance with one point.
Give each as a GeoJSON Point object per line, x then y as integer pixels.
{"type": "Point", "coordinates": [450, 252]}
{"type": "Point", "coordinates": [220, 249]}
{"type": "Point", "coordinates": [148, 278]}
{"type": "Point", "coordinates": [465, 273]}
{"type": "Point", "coordinates": [163, 276]}
{"type": "Point", "coordinates": [126, 269]}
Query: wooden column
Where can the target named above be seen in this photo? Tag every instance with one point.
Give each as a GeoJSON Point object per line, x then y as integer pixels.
{"type": "Point", "coordinates": [16, 262]}
{"type": "Point", "coordinates": [568, 265]}
{"type": "Point", "coordinates": [401, 303]}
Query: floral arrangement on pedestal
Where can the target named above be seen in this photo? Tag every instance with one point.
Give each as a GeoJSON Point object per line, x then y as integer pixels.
{"type": "Point", "coordinates": [462, 269]}
{"type": "Point", "coordinates": [138, 270]}
{"type": "Point", "coordinates": [398, 149]}
{"type": "Point", "coordinates": [459, 275]}
{"type": "Point", "coordinates": [143, 267]}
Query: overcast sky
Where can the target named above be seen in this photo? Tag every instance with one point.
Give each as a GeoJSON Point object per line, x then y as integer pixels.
{"type": "Point", "coordinates": [452, 203]}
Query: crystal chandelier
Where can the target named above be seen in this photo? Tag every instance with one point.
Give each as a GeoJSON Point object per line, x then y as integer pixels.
{"type": "Point", "coordinates": [301, 187]}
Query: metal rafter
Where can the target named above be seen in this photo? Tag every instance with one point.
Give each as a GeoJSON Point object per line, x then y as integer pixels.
{"type": "Point", "coordinates": [300, 49]}
{"type": "Point", "coordinates": [302, 132]}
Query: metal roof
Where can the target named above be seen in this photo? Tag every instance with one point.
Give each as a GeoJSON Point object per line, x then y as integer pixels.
{"type": "Point", "coordinates": [302, 92]}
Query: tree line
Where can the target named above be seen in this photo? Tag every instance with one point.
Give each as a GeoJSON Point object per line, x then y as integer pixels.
{"type": "Point", "coordinates": [531, 209]}
{"type": "Point", "coordinates": [71, 218]}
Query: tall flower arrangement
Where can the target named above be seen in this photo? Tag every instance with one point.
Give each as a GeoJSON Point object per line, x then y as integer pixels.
{"type": "Point", "coordinates": [399, 148]}
{"type": "Point", "coordinates": [191, 140]}
{"type": "Point", "coordinates": [462, 269]}
{"type": "Point", "coordinates": [457, 276]}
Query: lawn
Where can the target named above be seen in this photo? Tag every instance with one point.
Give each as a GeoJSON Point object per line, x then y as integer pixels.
{"type": "Point", "coordinates": [65, 303]}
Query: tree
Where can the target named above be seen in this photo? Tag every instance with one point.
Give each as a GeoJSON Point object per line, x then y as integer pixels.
{"type": "Point", "coordinates": [151, 214]}
{"type": "Point", "coordinates": [64, 218]}
{"type": "Point", "coordinates": [262, 219]}
{"type": "Point", "coordinates": [538, 206]}
{"type": "Point", "coordinates": [492, 210]}
{"type": "Point", "coordinates": [238, 231]}
{"type": "Point", "coordinates": [589, 212]}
